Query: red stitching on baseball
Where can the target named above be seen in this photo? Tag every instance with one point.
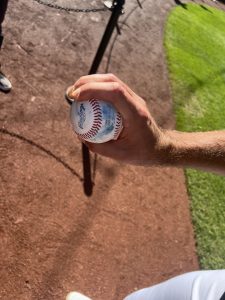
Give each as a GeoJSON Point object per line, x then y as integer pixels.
{"type": "Point", "coordinates": [118, 126]}
{"type": "Point", "coordinates": [97, 121]}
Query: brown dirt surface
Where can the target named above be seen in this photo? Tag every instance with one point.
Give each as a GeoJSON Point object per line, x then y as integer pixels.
{"type": "Point", "coordinates": [135, 229]}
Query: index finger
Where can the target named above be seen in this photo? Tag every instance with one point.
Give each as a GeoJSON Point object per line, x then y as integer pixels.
{"type": "Point", "coordinates": [100, 78]}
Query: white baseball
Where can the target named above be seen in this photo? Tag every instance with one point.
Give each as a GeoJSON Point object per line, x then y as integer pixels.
{"type": "Point", "coordinates": [76, 296]}
{"type": "Point", "coordinates": [95, 121]}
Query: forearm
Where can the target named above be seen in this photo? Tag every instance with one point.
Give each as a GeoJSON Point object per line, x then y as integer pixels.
{"type": "Point", "coordinates": [200, 150]}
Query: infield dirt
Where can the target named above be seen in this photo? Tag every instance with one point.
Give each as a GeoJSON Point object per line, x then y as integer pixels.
{"type": "Point", "coordinates": [135, 230]}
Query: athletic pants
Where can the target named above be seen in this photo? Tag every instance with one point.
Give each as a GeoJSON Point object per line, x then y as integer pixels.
{"type": "Point", "coordinates": [198, 285]}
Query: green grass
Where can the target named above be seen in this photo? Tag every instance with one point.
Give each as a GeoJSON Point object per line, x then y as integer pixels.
{"type": "Point", "coordinates": [195, 50]}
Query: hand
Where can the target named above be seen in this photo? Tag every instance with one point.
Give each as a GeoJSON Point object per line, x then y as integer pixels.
{"type": "Point", "coordinates": [141, 140]}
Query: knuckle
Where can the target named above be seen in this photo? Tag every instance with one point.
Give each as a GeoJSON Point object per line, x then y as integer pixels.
{"type": "Point", "coordinates": [118, 88]}
{"type": "Point", "coordinates": [112, 77]}
{"type": "Point", "coordinates": [145, 118]}
{"type": "Point", "coordinates": [85, 90]}
{"type": "Point", "coordinates": [81, 81]}
{"type": "Point", "coordinates": [82, 78]}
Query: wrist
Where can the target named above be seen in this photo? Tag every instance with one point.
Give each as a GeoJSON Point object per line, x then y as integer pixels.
{"type": "Point", "coordinates": [167, 149]}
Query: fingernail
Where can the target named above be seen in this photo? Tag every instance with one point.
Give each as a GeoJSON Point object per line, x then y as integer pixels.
{"type": "Point", "coordinates": [69, 91]}
{"type": "Point", "coordinates": [75, 93]}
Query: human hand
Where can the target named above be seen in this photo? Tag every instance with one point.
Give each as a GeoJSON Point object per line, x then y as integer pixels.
{"type": "Point", "coordinates": [141, 141]}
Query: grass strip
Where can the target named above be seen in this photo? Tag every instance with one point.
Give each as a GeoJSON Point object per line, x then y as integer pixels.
{"type": "Point", "coordinates": [195, 51]}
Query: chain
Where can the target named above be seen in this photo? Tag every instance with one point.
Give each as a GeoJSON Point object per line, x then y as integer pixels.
{"type": "Point", "coordinates": [78, 10]}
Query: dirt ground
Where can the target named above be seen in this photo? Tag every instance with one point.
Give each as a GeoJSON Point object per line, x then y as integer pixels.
{"type": "Point", "coordinates": [135, 229]}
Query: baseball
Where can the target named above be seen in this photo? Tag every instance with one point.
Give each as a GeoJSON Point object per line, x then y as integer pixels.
{"type": "Point", "coordinates": [76, 296]}
{"type": "Point", "coordinates": [95, 121]}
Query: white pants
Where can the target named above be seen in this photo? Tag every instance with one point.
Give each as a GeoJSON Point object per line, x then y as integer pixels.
{"type": "Point", "coordinates": [199, 285]}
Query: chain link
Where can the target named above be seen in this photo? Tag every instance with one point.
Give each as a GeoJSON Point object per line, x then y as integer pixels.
{"type": "Point", "coordinates": [78, 10]}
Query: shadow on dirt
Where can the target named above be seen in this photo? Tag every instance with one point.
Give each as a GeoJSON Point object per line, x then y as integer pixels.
{"type": "Point", "coordinates": [48, 152]}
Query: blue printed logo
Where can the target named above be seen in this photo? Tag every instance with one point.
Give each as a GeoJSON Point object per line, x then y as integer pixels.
{"type": "Point", "coordinates": [82, 116]}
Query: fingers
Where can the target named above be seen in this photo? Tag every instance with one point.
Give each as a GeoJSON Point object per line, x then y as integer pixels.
{"type": "Point", "coordinates": [91, 79]}
{"type": "Point", "coordinates": [96, 78]}
{"type": "Point", "coordinates": [112, 92]}
{"type": "Point", "coordinates": [112, 150]}
{"type": "Point", "coordinates": [109, 149]}
{"type": "Point", "coordinates": [100, 78]}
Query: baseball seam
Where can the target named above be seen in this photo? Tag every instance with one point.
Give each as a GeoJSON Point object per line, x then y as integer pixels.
{"type": "Point", "coordinates": [118, 126]}
{"type": "Point", "coordinates": [97, 121]}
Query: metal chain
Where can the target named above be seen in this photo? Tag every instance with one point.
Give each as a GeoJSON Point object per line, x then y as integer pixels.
{"type": "Point", "coordinates": [78, 10]}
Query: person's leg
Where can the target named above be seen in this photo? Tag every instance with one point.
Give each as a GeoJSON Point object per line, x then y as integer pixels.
{"type": "Point", "coordinates": [5, 84]}
{"type": "Point", "coordinates": [199, 285]}
{"type": "Point", "coordinates": [3, 8]}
